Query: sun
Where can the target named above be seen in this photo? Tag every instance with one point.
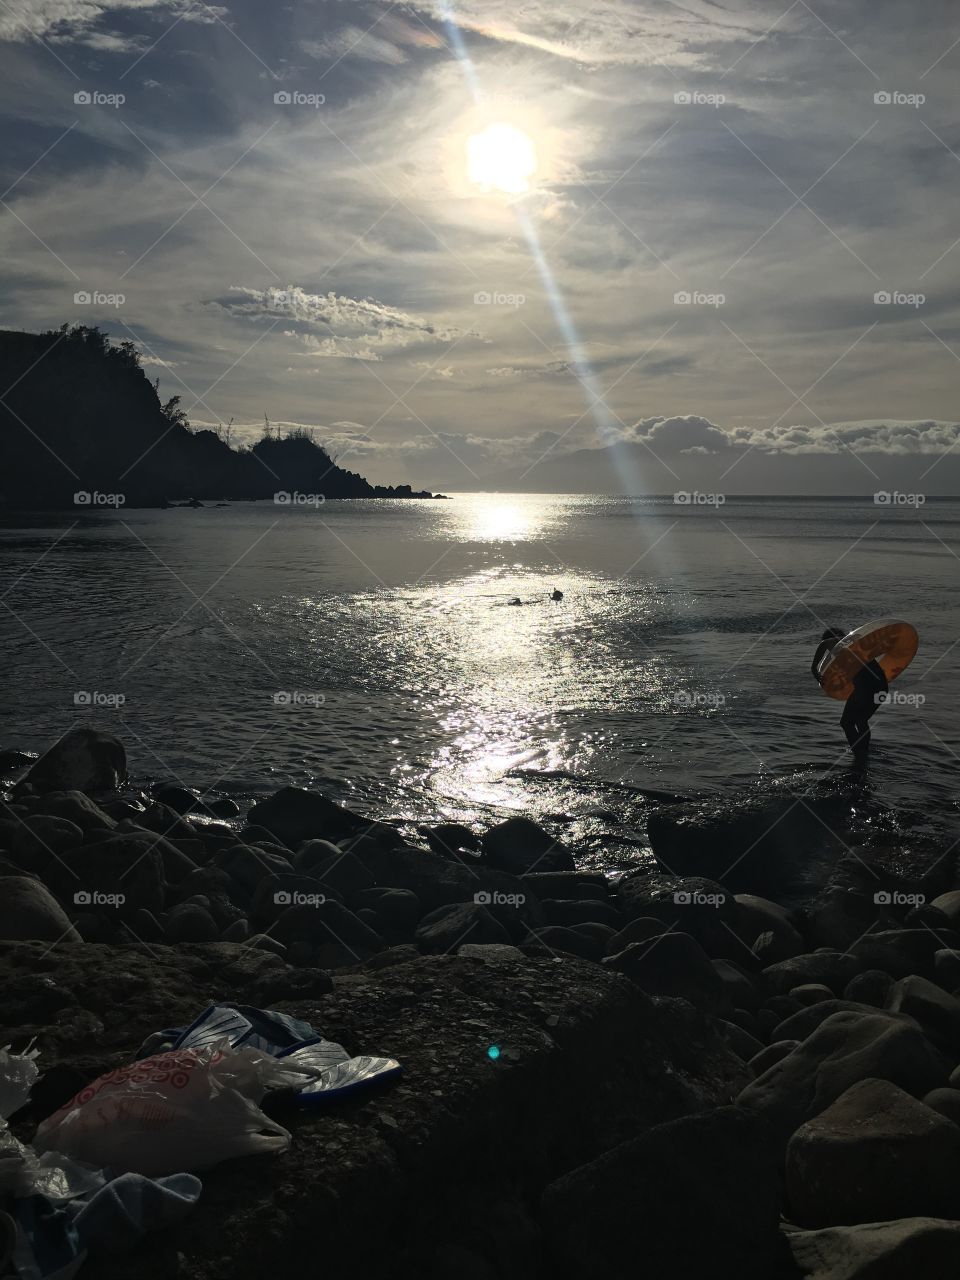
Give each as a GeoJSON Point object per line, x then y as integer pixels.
{"type": "Point", "coordinates": [502, 158]}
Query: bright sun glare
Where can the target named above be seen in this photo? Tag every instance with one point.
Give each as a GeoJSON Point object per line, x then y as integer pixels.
{"type": "Point", "coordinates": [502, 157]}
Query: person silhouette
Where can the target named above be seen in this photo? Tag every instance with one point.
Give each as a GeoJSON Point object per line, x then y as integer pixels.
{"type": "Point", "coordinates": [869, 684]}
{"type": "Point", "coordinates": [557, 594]}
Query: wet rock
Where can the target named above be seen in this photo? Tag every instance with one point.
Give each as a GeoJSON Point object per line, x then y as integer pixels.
{"type": "Point", "coordinates": [811, 993]}
{"type": "Point", "coordinates": [949, 905]}
{"type": "Point", "coordinates": [13, 761]}
{"type": "Point", "coordinates": [85, 760]}
{"type": "Point", "coordinates": [313, 852]}
{"type": "Point", "coordinates": [845, 1049]}
{"type": "Point", "coordinates": [145, 927]}
{"type": "Point", "coordinates": [125, 870]}
{"type": "Point", "coordinates": [946, 968]}
{"type": "Point", "coordinates": [756, 916]}
{"type": "Point", "coordinates": [568, 884]}
{"type": "Point", "coordinates": [946, 1102]}
{"type": "Point", "coordinates": [493, 952]}
{"type": "Point", "coordinates": [701, 908]}
{"type": "Point", "coordinates": [248, 865]}
{"type": "Point", "coordinates": [599, 935]}
{"type": "Point", "coordinates": [937, 1012]}
{"type": "Point", "coordinates": [239, 931]}
{"type": "Point", "coordinates": [652, 1188]}
{"type": "Point", "coordinates": [570, 942]}
{"type": "Point", "coordinates": [772, 1054]}
{"type": "Point", "coordinates": [900, 952]}
{"type": "Point", "coordinates": [448, 838]}
{"type": "Point", "coordinates": [741, 990]}
{"type": "Point", "coordinates": [448, 927]}
{"type": "Point", "coordinates": [571, 912]}
{"type": "Point", "coordinates": [752, 843]}
{"type": "Point", "coordinates": [343, 872]}
{"type": "Point", "coordinates": [327, 922]}
{"type": "Point", "coordinates": [804, 1021]}
{"type": "Point", "coordinates": [832, 969]}
{"type": "Point", "coordinates": [293, 815]}
{"type": "Point", "coordinates": [744, 1045]}
{"type": "Point", "coordinates": [396, 909]}
{"type": "Point", "coordinates": [839, 917]}
{"type": "Point", "coordinates": [870, 987]}
{"type": "Point", "coordinates": [190, 923]}
{"type": "Point", "coordinates": [75, 807]}
{"type": "Point", "coordinates": [639, 930]}
{"type": "Point", "coordinates": [164, 821]}
{"type": "Point", "coordinates": [898, 1250]}
{"type": "Point", "coordinates": [40, 839]}
{"type": "Point", "coordinates": [28, 910]}
{"type": "Point", "coordinates": [520, 846]}
{"type": "Point", "coordinates": [873, 1154]}
{"type": "Point", "coordinates": [673, 964]}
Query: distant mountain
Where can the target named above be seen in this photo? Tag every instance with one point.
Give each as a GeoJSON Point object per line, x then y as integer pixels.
{"type": "Point", "coordinates": [80, 416]}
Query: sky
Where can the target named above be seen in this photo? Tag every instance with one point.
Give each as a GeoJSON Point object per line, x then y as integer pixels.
{"type": "Point", "coordinates": [732, 264]}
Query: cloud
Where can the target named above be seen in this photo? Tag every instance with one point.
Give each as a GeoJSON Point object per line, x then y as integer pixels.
{"type": "Point", "coordinates": [73, 21]}
{"type": "Point", "coordinates": [332, 325]}
{"type": "Point", "coordinates": [386, 42]}
{"type": "Point", "coordinates": [690, 434]}
{"type": "Point", "coordinates": [615, 32]}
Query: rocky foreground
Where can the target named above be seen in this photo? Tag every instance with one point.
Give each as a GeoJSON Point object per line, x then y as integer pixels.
{"type": "Point", "coordinates": [665, 1076]}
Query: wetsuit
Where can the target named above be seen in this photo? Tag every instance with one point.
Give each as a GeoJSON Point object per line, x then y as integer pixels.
{"type": "Point", "coordinates": [868, 684]}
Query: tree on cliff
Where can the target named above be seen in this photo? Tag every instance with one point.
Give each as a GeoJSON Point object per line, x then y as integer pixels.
{"type": "Point", "coordinates": [80, 414]}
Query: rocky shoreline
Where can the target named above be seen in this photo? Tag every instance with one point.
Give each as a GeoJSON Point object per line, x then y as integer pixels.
{"type": "Point", "coordinates": [664, 1070]}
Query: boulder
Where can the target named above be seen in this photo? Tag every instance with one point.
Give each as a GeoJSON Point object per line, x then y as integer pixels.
{"type": "Point", "coordinates": [294, 815]}
{"type": "Point", "coordinates": [701, 908]}
{"type": "Point", "coordinates": [86, 760]}
{"type": "Point", "coordinates": [571, 912]}
{"type": "Point", "coordinates": [755, 916]}
{"type": "Point", "coordinates": [247, 865]}
{"type": "Point", "coordinates": [520, 846]}
{"type": "Point", "coordinates": [805, 1020]}
{"type": "Point", "coordinates": [946, 968]}
{"type": "Point", "coordinates": [762, 842]}
{"type": "Point", "coordinates": [342, 871]}
{"type": "Point", "coordinates": [445, 929]}
{"type": "Point", "coordinates": [832, 969]}
{"type": "Point", "coordinates": [311, 852]}
{"type": "Point", "coordinates": [937, 1012]}
{"type": "Point", "coordinates": [397, 910]}
{"type": "Point", "coordinates": [492, 953]}
{"type": "Point", "coordinates": [873, 1154]}
{"type": "Point", "coordinates": [949, 905]}
{"type": "Point", "coordinates": [811, 993]}
{"type": "Point", "coordinates": [28, 910]}
{"type": "Point", "coordinates": [569, 884]}
{"type": "Point", "coordinates": [76, 808]}
{"type": "Point", "coordinates": [845, 1049]}
{"type": "Point", "coordinates": [741, 990]}
{"type": "Point", "coordinates": [636, 931]}
{"type": "Point", "coordinates": [570, 942]}
{"type": "Point", "coordinates": [190, 923]}
{"type": "Point", "coordinates": [448, 838]}
{"type": "Point", "coordinates": [946, 1102]}
{"type": "Point", "coordinates": [744, 1045]}
{"type": "Point", "coordinates": [327, 922]}
{"type": "Point", "coordinates": [632, 1211]}
{"type": "Point", "coordinates": [898, 1250]}
{"type": "Point", "coordinates": [40, 839]}
{"type": "Point", "coordinates": [772, 1054]}
{"type": "Point", "coordinates": [901, 951]}
{"type": "Point", "coordinates": [674, 964]}
{"type": "Point", "coordinates": [870, 987]}
{"type": "Point", "coordinates": [839, 917]}
{"type": "Point", "coordinates": [122, 873]}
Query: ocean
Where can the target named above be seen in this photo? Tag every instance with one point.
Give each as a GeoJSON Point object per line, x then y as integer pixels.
{"type": "Point", "coordinates": [369, 648]}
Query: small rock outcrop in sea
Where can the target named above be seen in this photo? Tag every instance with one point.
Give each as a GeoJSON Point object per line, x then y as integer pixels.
{"type": "Point", "coordinates": [592, 1064]}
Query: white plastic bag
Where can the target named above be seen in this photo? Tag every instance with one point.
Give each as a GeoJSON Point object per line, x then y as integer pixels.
{"type": "Point", "coordinates": [18, 1072]}
{"type": "Point", "coordinates": [182, 1110]}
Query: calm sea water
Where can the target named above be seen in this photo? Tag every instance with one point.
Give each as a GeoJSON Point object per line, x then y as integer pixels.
{"type": "Point", "coordinates": [369, 647]}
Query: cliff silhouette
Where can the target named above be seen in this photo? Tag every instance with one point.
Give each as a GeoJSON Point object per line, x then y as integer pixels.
{"type": "Point", "coordinates": [80, 415]}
